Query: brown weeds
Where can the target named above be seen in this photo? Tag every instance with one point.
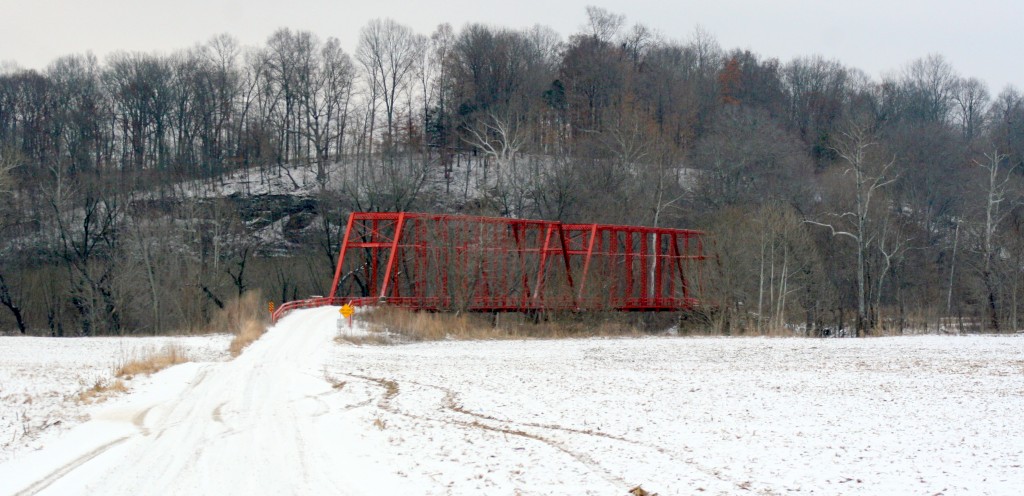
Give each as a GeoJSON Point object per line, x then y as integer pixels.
{"type": "Point", "coordinates": [246, 317]}
{"type": "Point", "coordinates": [639, 491]}
{"type": "Point", "coordinates": [251, 331]}
{"type": "Point", "coordinates": [100, 391]}
{"type": "Point", "coordinates": [373, 338]}
{"type": "Point", "coordinates": [170, 354]}
{"type": "Point", "coordinates": [388, 325]}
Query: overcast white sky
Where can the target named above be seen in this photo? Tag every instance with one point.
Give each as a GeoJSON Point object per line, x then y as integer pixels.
{"type": "Point", "coordinates": [980, 38]}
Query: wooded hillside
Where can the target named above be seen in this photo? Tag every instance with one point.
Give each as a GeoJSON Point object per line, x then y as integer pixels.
{"type": "Point", "coordinates": [836, 200]}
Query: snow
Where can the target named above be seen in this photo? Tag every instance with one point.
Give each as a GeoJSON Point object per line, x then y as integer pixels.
{"type": "Point", "coordinates": [40, 379]}
{"type": "Point", "coordinates": [873, 416]}
{"type": "Point", "coordinates": [301, 179]}
{"type": "Point", "coordinates": [298, 413]}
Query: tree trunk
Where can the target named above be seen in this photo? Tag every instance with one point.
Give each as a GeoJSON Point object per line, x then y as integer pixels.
{"type": "Point", "coordinates": [8, 301]}
{"type": "Point", "coordinates": [992, 308]}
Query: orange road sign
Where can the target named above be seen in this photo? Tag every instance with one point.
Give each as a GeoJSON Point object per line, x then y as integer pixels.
{"type": "Point", "coordinates": [347, 310]}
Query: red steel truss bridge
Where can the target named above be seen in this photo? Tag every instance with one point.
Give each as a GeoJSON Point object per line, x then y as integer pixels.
{"type": "Point", "coordinates": [489, 264]}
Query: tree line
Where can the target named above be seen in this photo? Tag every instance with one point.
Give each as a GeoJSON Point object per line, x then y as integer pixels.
{"type": "Point", "coordinates": [837, 202]}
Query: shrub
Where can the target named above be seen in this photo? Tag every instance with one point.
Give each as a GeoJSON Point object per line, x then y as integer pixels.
{"type": "Point", "coordinates": [390, 324]}
{"type": "Point", "coordinates": [171, 354]}
{"type": "Point", "coordinates": [245, 317]}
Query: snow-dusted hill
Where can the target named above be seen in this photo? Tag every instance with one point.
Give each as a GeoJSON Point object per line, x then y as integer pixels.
{"type": "Point", "coordinates": [298, 413]}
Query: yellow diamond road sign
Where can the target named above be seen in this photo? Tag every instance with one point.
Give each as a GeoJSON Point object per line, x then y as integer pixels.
{"type": "Point", "coordinates": [347, 310]}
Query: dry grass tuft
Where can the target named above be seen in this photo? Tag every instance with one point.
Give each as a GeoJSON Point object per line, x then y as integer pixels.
{"type": "Point", "coordinates": [246, 317]}
{"type": "Point", "coordinates": [390, 388]}
{"type": "Point", "coordinates": [100, 391]}
{"type": "Point", "coordinates": [389, 325]}
{"type": "Point", "coordinates": [171, 354]}
{"type": "Point", "coordinates": [639, 491]}
{"type": "Point", "coordinates": [422, 326]}
{"type": "Point", "coordinates": [373, 338]}
{"type": "Point", "coordinates": [249, 333]}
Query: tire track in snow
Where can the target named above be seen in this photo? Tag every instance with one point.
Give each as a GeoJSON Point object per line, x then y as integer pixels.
{"type": "Point", "coordinates": [391, 390]}
{"type": "Point", "coordinates": [216, 415]}
{"type": "Point", "coordinates": [452, 403]}
{"type": "Point", "coordinates": [139, 421]}
{"type": "Point", "coordinates": [336, 386]}
{"type": "Point", "coordinates": [66, 469]}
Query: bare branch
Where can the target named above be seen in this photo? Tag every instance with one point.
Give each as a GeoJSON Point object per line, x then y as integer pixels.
{"type": "Point", "coordinates": [833, 229]}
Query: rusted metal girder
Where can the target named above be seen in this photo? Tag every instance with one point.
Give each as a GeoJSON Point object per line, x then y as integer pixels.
{"type": "Point", "coordinates": [489, 264]}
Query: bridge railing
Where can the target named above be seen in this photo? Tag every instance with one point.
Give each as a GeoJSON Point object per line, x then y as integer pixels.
{"type": "Point", "coordinates": [287, 307]}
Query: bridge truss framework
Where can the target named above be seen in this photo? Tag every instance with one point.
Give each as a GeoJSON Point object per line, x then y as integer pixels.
{"type": "Point", "coordinates": [489, 264]}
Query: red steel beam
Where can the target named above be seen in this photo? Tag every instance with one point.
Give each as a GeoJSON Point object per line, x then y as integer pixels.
{"type": "Point", "coordinates": [587, 260]}
{"type": "Point", "coordinates": [341, 255]}
{"type": "Point", "coordinates": [392, 256]}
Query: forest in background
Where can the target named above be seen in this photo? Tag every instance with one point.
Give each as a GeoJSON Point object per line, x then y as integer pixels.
{"type": "Point", "coordinates": [836, 201]}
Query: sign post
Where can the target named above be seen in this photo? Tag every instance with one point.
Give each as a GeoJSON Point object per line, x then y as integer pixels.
{"type": "Point", "coordinates": [347, 311]}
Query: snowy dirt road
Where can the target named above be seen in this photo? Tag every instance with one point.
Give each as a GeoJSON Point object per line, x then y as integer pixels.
{"type": "Point", "coordinates": [264, 423]}
{"type": "Point", "coordinates": [297, 413]}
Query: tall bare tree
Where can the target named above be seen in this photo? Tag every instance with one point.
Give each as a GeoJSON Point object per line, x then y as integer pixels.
{"type": "Point", "coordinates": [972, 98]}
{"type": "Point", "coordinates": [388, 52]}
{"type": "Point", "coordinates": [998, 197]}
{"type": "Point", "coordinates": [325, 100]}
{"type": "Point", "coordinates": [868, 176]}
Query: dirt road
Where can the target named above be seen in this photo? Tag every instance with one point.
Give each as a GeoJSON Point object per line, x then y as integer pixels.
{"type": "Point", "coordinates": [256, 425]}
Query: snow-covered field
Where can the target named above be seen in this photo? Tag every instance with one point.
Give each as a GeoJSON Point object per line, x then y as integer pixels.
{"type": "Point", "coordinates": [298, 413]}
{"type": "Point", "coordinates": [41, 379]}
{"type": "Point", "coordinates": [922, 415]}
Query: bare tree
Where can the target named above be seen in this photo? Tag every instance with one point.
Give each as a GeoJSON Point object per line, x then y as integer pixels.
{"type": "Point", "coordinates": [501, 138]}
{"type": "Point", "coordinates": [388, 52]}
{"type": "Point", "coordinates": [283, 58]}
{"type": "Point", "coordinates": [139, 86]}
{"type": "Point", "coordinates": [225, 81]}
{"type": "Point", "coordinates": [602, 24]}
{"type": "Point", "coordinates": [647, 160]}
{"type": "Point", "coordinates": [999, 195]}
{"type": "Point", "coordinates": [8, 162]}
{"type": "Point", "coordinates": [7, 300]}
{"type": "Point", "coordinates": [746, 158]}
{"type": "Point", "coordinates": [89, 245]}
{"type": "Point", "coordinates": [928, 86]}
{"type": "Point", "coordinates": [815, 90]}
{"type": "Point", "coordinates": [868, 176]}
{"type": "Point", "coordinates": [325, 100]}
{"type": "Point", "coordinates": [785, 261]}
{"type": "Point", "coordinates": [971, 97]}
{"type": "Point", "coordinates": [893, 243]}
{"type": "Point", "coordinates": [439, 125]}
